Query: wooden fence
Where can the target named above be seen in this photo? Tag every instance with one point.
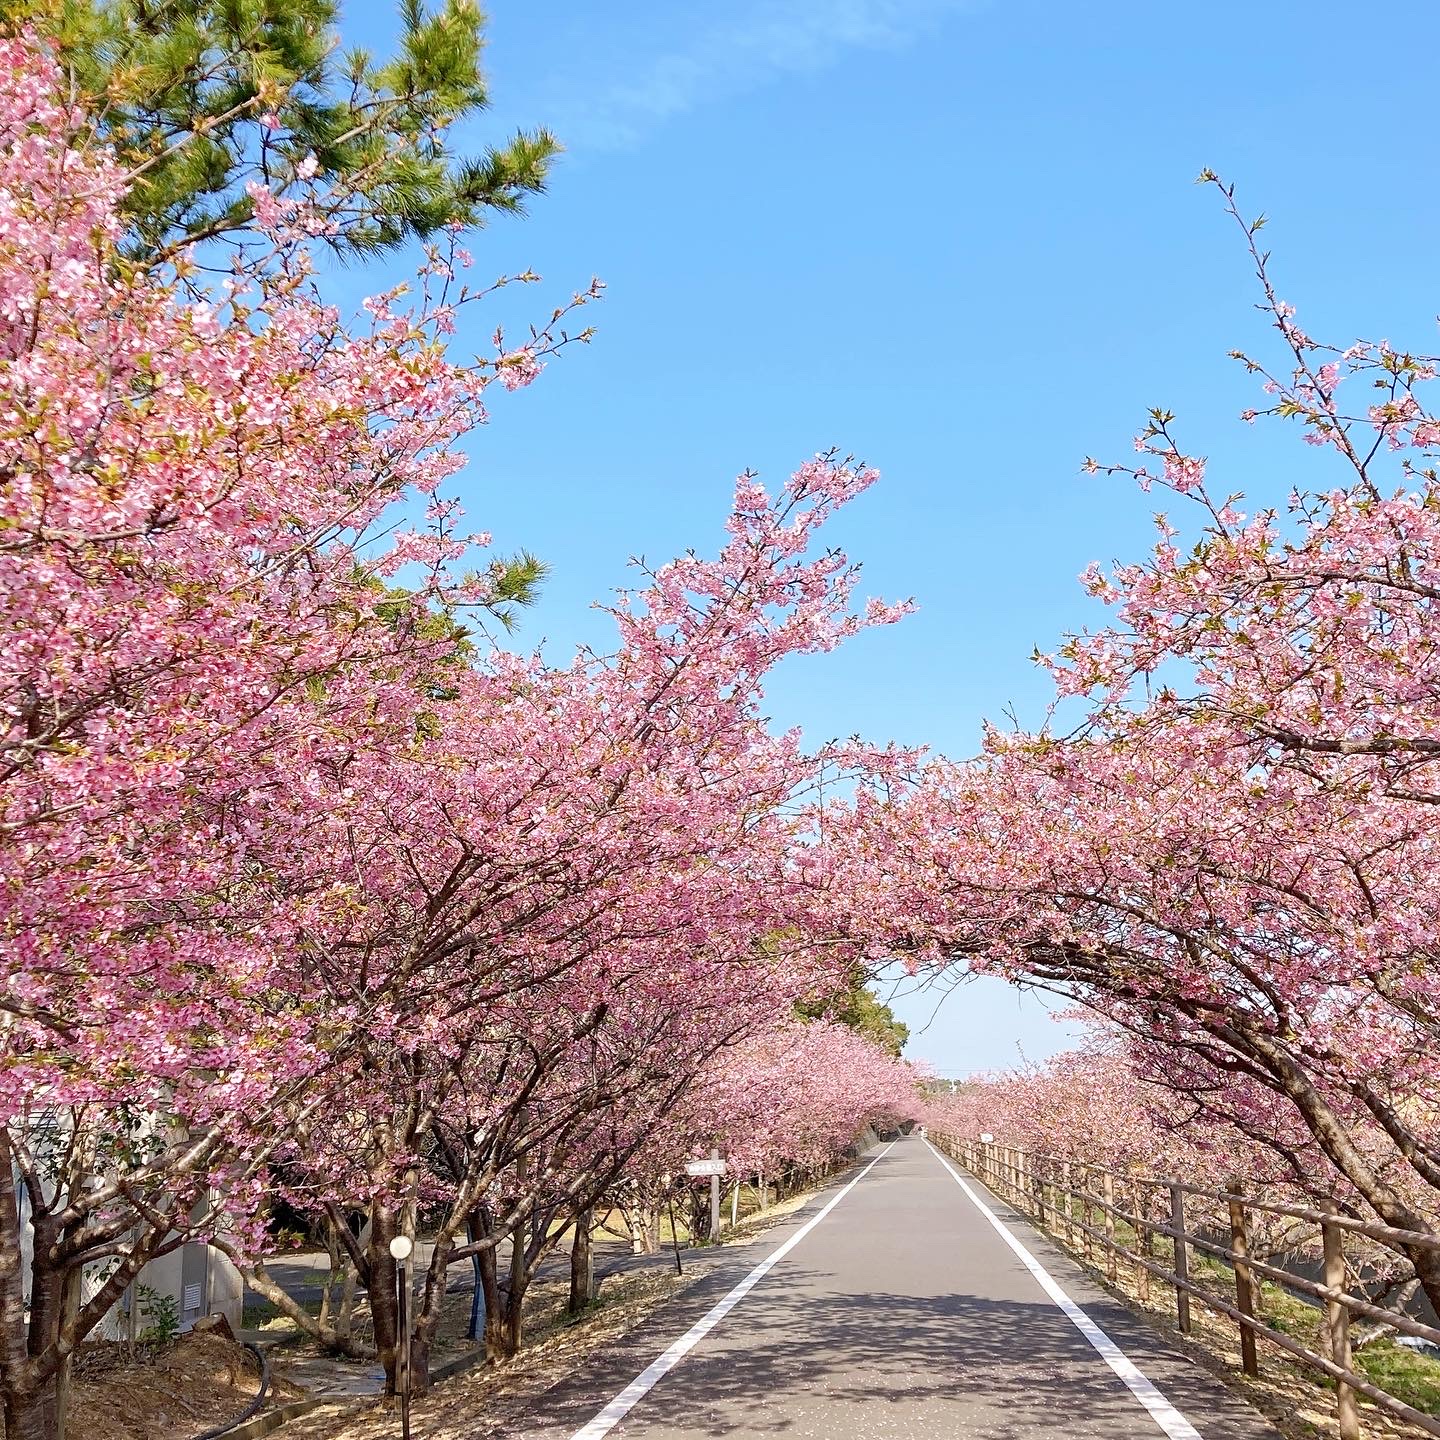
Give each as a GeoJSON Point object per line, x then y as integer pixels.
{"type": "Point", "coordinates": [1083, 1204]}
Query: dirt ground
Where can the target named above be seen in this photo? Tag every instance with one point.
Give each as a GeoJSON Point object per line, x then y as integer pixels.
{"type": "Point", "coordinates": [166, 1394]}
{"type": "Point", "coordinates": [201, 1380]}
{"type": "Point", "coordinates": [482, 1403]}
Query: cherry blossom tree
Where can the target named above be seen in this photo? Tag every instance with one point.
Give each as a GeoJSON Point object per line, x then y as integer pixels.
{"type": "Point", "coordinates": [1229, 855]}
{"type": "Point", "coordinates": [194, 609]}
{"type": "Point", "coordinates": [1149, 1112]}
{"type": "Point", "coordinates": [609, 865]}
{"type": "Point", "coordinates": [296, 875]}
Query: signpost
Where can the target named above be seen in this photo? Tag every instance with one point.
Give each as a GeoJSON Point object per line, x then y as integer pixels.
{"type": "Point", "coordinates": [714, 1167]}
{"type": "Point", "coordinates": [699, 1169]}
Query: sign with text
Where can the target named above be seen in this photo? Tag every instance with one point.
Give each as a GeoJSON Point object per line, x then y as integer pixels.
{"type": "Point", "coordinates": [698, 1168]}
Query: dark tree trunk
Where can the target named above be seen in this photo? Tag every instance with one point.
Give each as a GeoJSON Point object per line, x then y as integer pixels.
{"type": "Point", "coordinates": [582, 1265]}
{"type": "Point", "coordinates": [381, 1283]}
{"type": "Point", "coordinates": [494, 1334]}
{"type": "Point", "coordinates": [33, 1410]}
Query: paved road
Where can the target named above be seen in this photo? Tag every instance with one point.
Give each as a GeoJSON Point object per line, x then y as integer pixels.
{"type": "Point", "coordinates": [901, 1312]}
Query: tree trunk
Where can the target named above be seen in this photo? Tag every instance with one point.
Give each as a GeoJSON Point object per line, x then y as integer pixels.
{"type": "Point", "coordinates": [34, 1412]}
{"type": "Point", "coordinates": [69, 1309]}
{"type": "Point", "coordinates": [31, 1417]}
{"type": "Point", "coordinates": [384, 1307]}
{"type": "Point", "coordinates": [427, 1318]}
{"type": "Point", "coordinates": [582, 1265]}
{"type": "Point", "coordinates": [515, 1296]}
{"type": "Point", "coordinates": [504, 1318]}
{"type": "Point", "coordinates": [494, 1319]}
{"type": "Point", "coordinates": [14, 1357]}
{"type": "Point", "coordinates": [642, 1223]}
{"type": "Point", "coordinates": [514, 1318]}
{"type": "Point", "coordinates": [421, 1342]}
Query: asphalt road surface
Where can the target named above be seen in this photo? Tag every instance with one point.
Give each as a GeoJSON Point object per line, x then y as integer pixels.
{"type": "Point", "coordinates": [896, 1306]}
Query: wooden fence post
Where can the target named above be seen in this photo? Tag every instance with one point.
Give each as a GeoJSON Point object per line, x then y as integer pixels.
{"type": "Point", "coordinates": [1139, 1204]}
{"type": "Point", "coordinates": [1069, 1204]}
{"type": "Point", "coordinates": [1182, 1259]}
{"type": "Point", "coordinates": [1107, 1194]}
{"type": "Point", "coordinates": [1337, 1324]}
{"type": "Point", "coordinates": [1244, 1280]}
{"type": "Point", "coordinates": [1087, 1210]}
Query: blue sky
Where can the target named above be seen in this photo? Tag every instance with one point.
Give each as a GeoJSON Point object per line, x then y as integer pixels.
{"type": "Point", "coordinates": [960, 240]}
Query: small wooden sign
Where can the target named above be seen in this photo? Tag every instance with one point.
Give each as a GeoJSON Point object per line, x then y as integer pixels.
{"type": "Point", "coordinates": [698, 1168]}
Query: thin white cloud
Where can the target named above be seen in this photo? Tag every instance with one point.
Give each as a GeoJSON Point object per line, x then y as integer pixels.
{"type": "Point", "coordinates": [753, 46]}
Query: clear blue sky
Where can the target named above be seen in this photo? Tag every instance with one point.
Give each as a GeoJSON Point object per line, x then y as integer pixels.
{"type": "Point", "coordinates": [962, 241]}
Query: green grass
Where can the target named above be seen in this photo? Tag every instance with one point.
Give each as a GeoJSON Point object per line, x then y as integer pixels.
{"type": "Point", "coordinates": [259, 1313]}
{"type": "Point", "coordinates": [1410, 1377]}
{"type": "Point", "coordinates": [1413, 1378]}
{"type": "Point", "coordinates": [256, 1314]}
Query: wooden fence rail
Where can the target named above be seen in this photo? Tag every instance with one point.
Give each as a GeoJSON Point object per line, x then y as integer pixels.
{"type": "Point", "coordinates": [1081, 1204]}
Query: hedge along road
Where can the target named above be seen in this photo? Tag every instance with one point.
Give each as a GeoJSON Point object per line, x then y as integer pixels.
{"type": "Point", "coordinates": [906, 1302]}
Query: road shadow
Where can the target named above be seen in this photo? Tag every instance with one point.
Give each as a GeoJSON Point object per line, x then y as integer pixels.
{"type": "Point", "coordinates": [882, 1363]}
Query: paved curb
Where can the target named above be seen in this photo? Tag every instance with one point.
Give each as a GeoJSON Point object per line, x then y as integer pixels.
{"type": "Point", "coordinates": [270, 1421]}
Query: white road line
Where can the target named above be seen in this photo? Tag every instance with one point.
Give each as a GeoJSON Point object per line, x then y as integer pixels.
{"type": "Point", "coordinates": [663, 1364]}
{"type": "Point", "coordinates": [1164, 1414]}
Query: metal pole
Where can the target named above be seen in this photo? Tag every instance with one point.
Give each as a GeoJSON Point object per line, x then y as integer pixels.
{"type": "Point", "coordinates": [403, 1275]}
{"type": "Point", "coordinates": [674, 1233]}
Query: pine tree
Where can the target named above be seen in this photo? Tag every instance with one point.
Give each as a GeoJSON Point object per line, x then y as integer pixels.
{"type": "Point", "coordinates": [207, 95]}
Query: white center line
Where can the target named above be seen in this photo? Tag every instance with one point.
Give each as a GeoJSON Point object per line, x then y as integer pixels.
{"type": "Point", "coordinates": [1164, 1414]}
{"type": "Point", "coordinates": [663, 1364]}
